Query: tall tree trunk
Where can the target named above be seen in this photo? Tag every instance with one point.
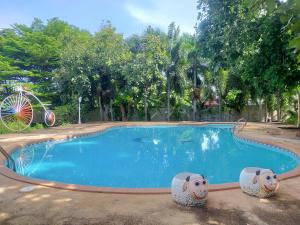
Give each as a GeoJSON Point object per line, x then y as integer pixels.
{"type": "Point", "coordinates": [194, 92]}
{"type": "Point", "coordinates": [128, 111]}
{"type": "Point", "coordinates": [220, 96]}
{"type": "Point", "coordinates": [272, 115]}
{"type": "Point", "coordinates": [123, 112]}
{"type": "Point", "coordinates": [220, 106]}
{"type": "Point", "coordinates": [145, 106]}
{"type": "Point", "coordinates": [259, 110]}
{"type": "Point", "coordinates": [111, 110]}
{"type": "Point", "coordinates": [299, 110]}
{"type": "Point", "coordinates": [248, 111]}
{"type": "Point", "coordinates": [168, 97]}
{"type": "Point", "coordinates": [105, 113]}
{"type": "Point", "coordinates": [278, 107]}
{"type": "Point", "coordinates": [266, 112]}
{"type": "Point", "coordinates": [278, 112]}
{"type": "Point", "coordinates": [100, 108]}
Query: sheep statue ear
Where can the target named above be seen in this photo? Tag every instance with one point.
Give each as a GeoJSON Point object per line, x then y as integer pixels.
{"type": "Point", "coordinates": [203, 177]}
{"type": "Point", "coordinates": [187, 179]}
{"type": "Point", "coordinates": [254, 181]}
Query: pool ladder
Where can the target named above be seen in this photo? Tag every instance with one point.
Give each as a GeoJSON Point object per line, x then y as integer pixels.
{"type": "Point", "coordinates": [9, 159]}
{"type": "Point", "coordinates": [240, 124]}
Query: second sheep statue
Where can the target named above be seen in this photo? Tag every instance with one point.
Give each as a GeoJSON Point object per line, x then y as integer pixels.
{"type": "Point", "coordinates": [259, 182]}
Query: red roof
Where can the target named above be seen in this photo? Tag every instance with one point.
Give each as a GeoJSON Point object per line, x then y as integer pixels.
{"type": "Point", "coordinates": [210, 103]}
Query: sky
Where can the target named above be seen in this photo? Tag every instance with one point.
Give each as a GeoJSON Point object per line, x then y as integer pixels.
{"type": "Point", "coordinates": [128, 16]}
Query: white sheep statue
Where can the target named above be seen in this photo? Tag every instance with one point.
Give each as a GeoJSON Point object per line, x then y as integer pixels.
{"type": "Point", "coordinates": [259, 182]}
{"type": "Point", "coordinates": [189, 189]}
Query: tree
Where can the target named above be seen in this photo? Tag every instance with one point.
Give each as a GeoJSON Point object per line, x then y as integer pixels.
{"type": "Point", "coordinates": [93, 67]}
{"type": "Point", "coordinates": [291, 16]}
{"type": "Point", "coordinates": [173, 33]}
{"type": "Point", "coordinates": [111, 55]}
{"type": "Point", "coordinates": [273, 61]}
{"type": "Point", "coordinates": [244, 39]}
{"type": "Point", "coordinates": [216, 19]}
{"type": "Point", "coordinates": [32, 54]}
{"type": "Point", "coordinates": [145, 70]}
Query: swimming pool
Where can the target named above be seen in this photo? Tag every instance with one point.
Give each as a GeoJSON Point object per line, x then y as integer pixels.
{"type": "Point", "coordinates": [149, 156]}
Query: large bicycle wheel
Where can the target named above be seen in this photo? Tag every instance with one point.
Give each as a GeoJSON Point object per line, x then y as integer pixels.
{"type": "Point", "coordinates": [16, 112]}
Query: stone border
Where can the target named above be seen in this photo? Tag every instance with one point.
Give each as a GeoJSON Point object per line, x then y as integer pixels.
{"type": "Point", "coordinates": [75, 187]}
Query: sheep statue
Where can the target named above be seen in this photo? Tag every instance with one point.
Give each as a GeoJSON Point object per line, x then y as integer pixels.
{"type": "Point", "coordinates": [259, 182]}
{"type": "Point", "coordinates": [189, 189]}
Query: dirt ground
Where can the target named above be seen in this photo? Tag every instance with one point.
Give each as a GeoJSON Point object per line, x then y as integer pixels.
{"type": "Point", "coordinates": [45, 205]}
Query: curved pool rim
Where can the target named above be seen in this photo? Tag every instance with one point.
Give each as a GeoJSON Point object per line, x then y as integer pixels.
{"type": "Point", "coordinates": [75, 187]}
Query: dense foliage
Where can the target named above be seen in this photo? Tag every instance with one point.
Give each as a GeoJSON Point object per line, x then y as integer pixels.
{"type": "Point", "coordinates": [243, 52]}
{"type": "Point", "coordinates": [255, 46]}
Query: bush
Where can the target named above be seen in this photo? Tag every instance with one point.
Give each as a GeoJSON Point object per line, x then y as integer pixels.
{"type": "Point", "coordinates": [37, 126]}
{"type": "Point", "coordinates": [66, 114]}
{"type": "Point", "coordinates": [291, 117]}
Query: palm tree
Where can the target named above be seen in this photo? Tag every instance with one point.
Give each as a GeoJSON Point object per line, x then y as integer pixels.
{"type": "Point", "coordinates": [173, 34]}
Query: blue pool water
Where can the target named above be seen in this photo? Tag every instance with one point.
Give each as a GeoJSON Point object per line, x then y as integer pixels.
{"type": "Point", "coordinates": [137, 157]}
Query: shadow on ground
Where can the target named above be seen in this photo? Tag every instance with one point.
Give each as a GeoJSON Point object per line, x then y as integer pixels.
{"type": "Point", "coordinates": [113, 219]}
{"type": "Point", "coordinates": [276, 212]}
{"type": "Point", "coordinates": [283, 213]}
{"type": "Point", "coordinates": [217, 216]}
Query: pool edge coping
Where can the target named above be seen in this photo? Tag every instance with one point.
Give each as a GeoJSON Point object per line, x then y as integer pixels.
{"type": "Point", "coordinates": [84, 188]}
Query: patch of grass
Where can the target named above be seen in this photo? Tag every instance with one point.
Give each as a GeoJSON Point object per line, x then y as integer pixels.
{"type": "Point", "coordinates": [4, 130]}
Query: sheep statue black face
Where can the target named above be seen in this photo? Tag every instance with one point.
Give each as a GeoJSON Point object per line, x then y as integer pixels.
{"type": "Point", "coordinates": [259, 182]}
{"type": "Point", "coordinates": [189, 189]}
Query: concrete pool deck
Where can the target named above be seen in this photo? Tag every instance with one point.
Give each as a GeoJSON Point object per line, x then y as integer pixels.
{"type": "Point", "coordinates": [56, 206]}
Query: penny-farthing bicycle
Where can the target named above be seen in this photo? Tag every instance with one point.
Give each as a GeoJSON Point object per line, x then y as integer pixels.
{"type": "Point", "coordinates": [16, 111]}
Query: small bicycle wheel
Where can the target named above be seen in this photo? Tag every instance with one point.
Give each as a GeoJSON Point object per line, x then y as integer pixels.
{"type": "Point", "coordinates": [16, 112]}
{"type": "Point", "coordinates": [49, 118]}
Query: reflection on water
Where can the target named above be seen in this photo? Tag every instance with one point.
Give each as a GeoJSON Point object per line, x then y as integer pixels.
{"type": "Point", "coordinates": [147, 156]}
{"type": "Point", "coordinates": [156, 141]}
{"type": "Point", "coordinates": [24, 159]}
{"type": "Point", "coordinates": [27, 162]}
{"type": "Point", "coordinates": [210, 140]}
